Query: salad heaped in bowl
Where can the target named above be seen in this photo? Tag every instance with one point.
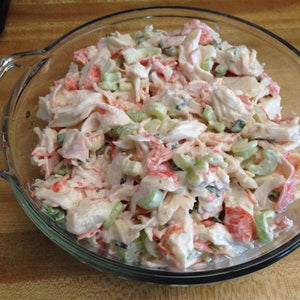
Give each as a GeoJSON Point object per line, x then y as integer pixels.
{"type": "Point", "coordinates": [167, 148]}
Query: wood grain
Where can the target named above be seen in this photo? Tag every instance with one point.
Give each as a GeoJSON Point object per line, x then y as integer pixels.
{"type": "Point", "coordinates": [31, 266]}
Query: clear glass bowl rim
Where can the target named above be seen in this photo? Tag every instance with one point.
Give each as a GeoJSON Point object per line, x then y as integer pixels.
{"type": "Point", "coordinates": [102, 263]}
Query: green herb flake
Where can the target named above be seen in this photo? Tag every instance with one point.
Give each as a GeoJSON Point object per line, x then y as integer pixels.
{"type": "Point", "coordinates": [160, 45]}
{"type": "Point", "coordinates": [55, 213]}
{"type": "Point", "coordinates": [238, 126]}
{"type": "Point", "coordinates": [60, 138]}
{"type": "Point", "coordinates": [123, 179]}
{"type": "Point", "coordinates": [182, 104]}
{"type": "Point", "coordinates": [213, 190]}
{"type": "Point", "coordinates": [120, 245]}
{"type": "Point", "coordinates": [217, 220]}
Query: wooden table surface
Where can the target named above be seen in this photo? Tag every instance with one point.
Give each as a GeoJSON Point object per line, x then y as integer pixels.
{"type": "Point", "coordinates": [32, 267]}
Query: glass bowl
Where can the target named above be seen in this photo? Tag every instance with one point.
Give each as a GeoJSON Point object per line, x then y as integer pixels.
{"type": "Point", "coordinates": [34, 72]}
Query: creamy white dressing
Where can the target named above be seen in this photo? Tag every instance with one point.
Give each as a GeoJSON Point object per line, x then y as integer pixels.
{"type": "Point", "coordinates": [140, 147]}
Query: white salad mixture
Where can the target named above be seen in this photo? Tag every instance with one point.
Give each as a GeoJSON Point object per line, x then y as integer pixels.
{"type": "Point", "coordinates": [167, 148]}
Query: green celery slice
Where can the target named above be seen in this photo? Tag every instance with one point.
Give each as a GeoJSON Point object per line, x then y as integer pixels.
{"type": "Point", "coordinates": [267, 166]}
{"type": "Point", "coordinates": [152, 200]}
{"type": "Point", "coordinates": [115, 212]}
{"type": "Point", "coordinates": [262, 227]}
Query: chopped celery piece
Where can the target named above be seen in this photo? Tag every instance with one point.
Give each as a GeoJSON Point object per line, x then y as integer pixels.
{"type": "Point", "coordinates": [148, 28]}
{"type": "Point", "coordinates": [238, 126]}
{"type": "Point", "coordinates": [210, 117]}
{"type": "Point", "coordinates": [125, 130]}
{"type": "Point", "coordinates": [137, 116]}
{"type": "Point", "coordinates": [55, 213]}
{"type": "Point", "coordinates": [192, 177]}
{"type": "Point", "coordinates": [114, 76]}
{"type": "Point", "coordinates": [157, 110]}
{"type": "Point", "coordinates": [108, 85]}
{"type": "Point", "coordinates": [132, 252]}
{"type": "Point", "coordinates": [262, 227]}
{"type": "Point", "coordinates": [151, 247]}
{"type": "Point", "coordinates": [207, 64]}
{"type": "Point", "coordinates": [267, 166]}
{"type": "Point", "coordinates": [248, 153]}
{"type": "Point", "coordinates": [182, 161]}
{"type": "Point", "coordinates": [219, 126]}
{"type": "Point", "coordinates": [201, 164]}
{"type": "Point", "coordinates": [167, 125]}
{"type": "Point", "coordinates": [243, 145]}
{"type": "Point", "coordinates": [141, 36]}
{"type": "Point", "coordinates": [60, 138]}
{"type": "Point", "coordinates": [260, 115]}
{"type": "Point", "coordinates": [213, 159]}
{"type": "Point", "coordinates": [213, 190]}
{"type": "Point", "coordinates": [125, 86]}
{"type": "Point", "coordinates": [181, 190]}
{"type": "Point", "coordinates": [60, 169]}
{"type": "Point", "coordinates": [152, 126]}
{"type": "Point", "coordinates": [115, 212]}
{"type": "Point", "coordinates": [131, 168]}
{"type": "Point", "coordinates": [134, 55]}
{"type": "Point", "coordinates": [244, 148]}
{"type": "Point", "coordinates": [147, 35]}
{"type": "Point", "coordinates": [152, 200]}
{"type": "Point", "coordinates": [138, 35]}
{"type": "Point", "coordinates": [148, 31]}
{"type": "Point", "coordinates": [221, 70]}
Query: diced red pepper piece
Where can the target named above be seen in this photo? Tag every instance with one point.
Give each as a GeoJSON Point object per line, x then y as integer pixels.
{"type": "Point", "coordinates": [101, 243]}
{"type": "Point", "coordinates": [239, 222]}
{"type": "Point", "coordinates": [117, 54]}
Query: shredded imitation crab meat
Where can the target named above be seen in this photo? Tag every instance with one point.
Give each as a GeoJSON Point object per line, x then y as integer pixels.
{"type": "Point", "coordinates": [167, 148]}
